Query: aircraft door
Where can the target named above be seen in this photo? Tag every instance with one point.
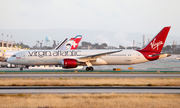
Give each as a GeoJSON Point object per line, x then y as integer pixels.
{"type": "Point", "coordinates": [138, 55]}
{"type": "Point", "coordinates": [23, 56]}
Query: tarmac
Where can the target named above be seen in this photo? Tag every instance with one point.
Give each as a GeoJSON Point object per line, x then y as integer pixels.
{"type": "Point", "coordinates": [65, 90]}
{"type": "Point", "coordinates": [95, 75]}
{"type": "Point", "coordinates": [168, 65]}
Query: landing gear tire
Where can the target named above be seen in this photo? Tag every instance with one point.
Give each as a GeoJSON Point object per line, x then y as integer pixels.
{"type": "Point", "coordinates": [89, 68]}
{"type": "Point", "coordinates": [27, 66]}
{"type": "Point", "coordinates": [21, 69]}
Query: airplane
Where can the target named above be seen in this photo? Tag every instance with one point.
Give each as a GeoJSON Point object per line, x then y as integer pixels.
{"type": "Point", "coordinates": [61, 46]}
{"type": "Point", "coordinates": [73, 58]}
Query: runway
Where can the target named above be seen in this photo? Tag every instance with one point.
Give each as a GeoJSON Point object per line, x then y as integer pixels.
{"type": "Point", "coordinates": [64, 90]}
{"type": "Point", "coordinates": [90, 75]}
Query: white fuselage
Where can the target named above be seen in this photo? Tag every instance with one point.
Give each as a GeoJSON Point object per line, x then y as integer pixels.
{"type": "Point", "coordinates": [54, 57]}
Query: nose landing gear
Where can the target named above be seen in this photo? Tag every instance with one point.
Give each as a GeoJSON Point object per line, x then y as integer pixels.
{"type": "Point", "coordinates": [21, 69]}
{"type": "Point", "coordinates": [89, 68]}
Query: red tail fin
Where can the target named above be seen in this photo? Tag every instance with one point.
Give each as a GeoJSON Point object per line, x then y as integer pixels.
{"type": "Point", "coordinates": [76, 42]}
{"type": "Point", "coordinates": [157, 43]}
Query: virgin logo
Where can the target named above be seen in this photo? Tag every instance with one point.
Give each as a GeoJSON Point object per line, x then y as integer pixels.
{"type": "Point", "coordinates": [18, 57]}
{"type": "Point", "coordinates": [155, 45]}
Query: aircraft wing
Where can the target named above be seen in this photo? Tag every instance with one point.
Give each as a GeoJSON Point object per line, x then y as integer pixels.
{"type": "Point", "coordinates": [95, 56]}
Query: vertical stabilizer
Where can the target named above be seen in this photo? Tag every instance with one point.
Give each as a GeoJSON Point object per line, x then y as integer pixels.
{"type": "Point", "coordinates": [157, 43]}
{"type": "Point", "coordinates": [61, 44]}
{"type": "Point", "coordinates": [76, 42]}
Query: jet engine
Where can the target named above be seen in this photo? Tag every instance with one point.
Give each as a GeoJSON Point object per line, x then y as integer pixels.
{"type": "Point", "coordinates": [10, 65]}
{"type": "Point", "coordinates": [69, 63]}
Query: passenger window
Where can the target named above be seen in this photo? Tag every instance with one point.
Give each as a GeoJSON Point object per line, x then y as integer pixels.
{"type": "Point", "coordinates": [13, 56]}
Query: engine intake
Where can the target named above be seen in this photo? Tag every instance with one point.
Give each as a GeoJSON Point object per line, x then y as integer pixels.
{"type": "Point", "coordinates": [69, 63]}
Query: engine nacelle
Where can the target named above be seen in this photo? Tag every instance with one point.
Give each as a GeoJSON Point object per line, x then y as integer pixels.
{"type": "Point", "coordinates": [10, 65]}
{"type": "Point", "coordinates": [69, 63]}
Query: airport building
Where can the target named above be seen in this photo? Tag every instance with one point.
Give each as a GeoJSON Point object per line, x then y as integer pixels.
{"type": "Point", "coordinates": [9, 46]}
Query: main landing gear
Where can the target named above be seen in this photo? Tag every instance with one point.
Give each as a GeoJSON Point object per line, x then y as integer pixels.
{"type": "Point", "coordinates": [89, 68]}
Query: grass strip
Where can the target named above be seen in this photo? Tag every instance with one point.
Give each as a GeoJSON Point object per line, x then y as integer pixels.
{"type": "Point", "coordinates": [111, 100]}
{"type": "Point", "coordinates": [91, 82]}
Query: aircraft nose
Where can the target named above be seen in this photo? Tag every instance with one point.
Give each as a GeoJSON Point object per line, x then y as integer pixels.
{"type": "Point", "coordinates": [9, 60]}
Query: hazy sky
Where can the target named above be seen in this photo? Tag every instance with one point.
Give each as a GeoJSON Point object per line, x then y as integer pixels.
{"type": "Point", "coordinates": [127, 16]}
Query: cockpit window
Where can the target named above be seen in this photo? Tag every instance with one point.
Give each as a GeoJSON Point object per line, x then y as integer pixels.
{"type": "Point", "coordinates": [13, 56]}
